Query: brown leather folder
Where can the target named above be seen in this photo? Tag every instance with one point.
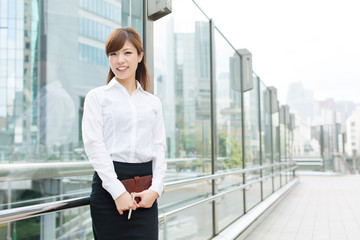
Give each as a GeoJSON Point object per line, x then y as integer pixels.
{"type": "Point", "coordinates": [137, 184]}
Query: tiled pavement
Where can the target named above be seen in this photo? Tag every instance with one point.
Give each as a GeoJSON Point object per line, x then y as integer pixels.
{"type": "Point", "coordinates": [319, 207]}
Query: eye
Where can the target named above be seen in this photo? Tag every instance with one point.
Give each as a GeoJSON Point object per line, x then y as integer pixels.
{"type": "Point", "coordinates": [112, 54]}
{"type": "Point", "coordinates": [128, 52]}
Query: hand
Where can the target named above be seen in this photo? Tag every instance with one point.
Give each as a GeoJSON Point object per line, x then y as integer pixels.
{"type": "Point", "coordinates": [124, 202]}
{"type": "Point", "coordinates": [147, 197]}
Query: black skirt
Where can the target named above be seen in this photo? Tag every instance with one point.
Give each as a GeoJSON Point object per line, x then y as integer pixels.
{"type": "Point", "coordinates": [106, 220]}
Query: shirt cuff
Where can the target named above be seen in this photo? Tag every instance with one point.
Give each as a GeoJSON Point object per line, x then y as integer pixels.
{"type": "Point", "coordinates": [115, 189]}
{"type": "Point", "coordinates": [157, 187]}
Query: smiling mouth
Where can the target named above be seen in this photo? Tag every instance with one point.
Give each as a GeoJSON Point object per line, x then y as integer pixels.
{"type": "Point", "coordinates": [122, 68]}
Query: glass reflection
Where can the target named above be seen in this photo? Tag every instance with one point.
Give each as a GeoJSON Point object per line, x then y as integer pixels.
{"type": "Point", "coordinates": [252, 141]}
{"type": "Point", "coordinates": [182, 81]}
{"type": "Point", "coordinates": [44, 79]}
{"type": "Point", "coordinates": [192, 223]}
{"type": "Point", "coordinates": [228, 106]}
{"type": "Point", "coordinates": [68, 224]}
{"type": "Point", "coordinates": [266, 151]}
{"type": "Point", "coordinates": [229, 129]}
{"type": "Point", "coordinates": [275, 120]}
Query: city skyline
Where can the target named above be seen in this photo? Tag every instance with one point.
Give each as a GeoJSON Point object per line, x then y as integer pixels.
{"type": "Point", "coordinates": [315, 43]}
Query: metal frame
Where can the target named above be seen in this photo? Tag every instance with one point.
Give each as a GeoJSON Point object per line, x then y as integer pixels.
{"type": "Point", "coordinates": [271, 137]}
{"type": "Point", "coordinates": [213, 123]}
{"type": "Point", "coordinates": [260, 139]}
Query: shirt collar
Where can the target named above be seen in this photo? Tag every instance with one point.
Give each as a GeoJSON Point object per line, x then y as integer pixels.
{"type": "Point", "coordinates": [113, 82]}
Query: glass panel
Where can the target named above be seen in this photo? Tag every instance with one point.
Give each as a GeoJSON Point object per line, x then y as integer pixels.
{"type": "Point", "coordinates": [253, 196]}
{"type": "Point", "coordinates": [252, 140]}
{"type": "Point", "coordinates": [41, 114]}
{"type": "Point", "coordinates": [12, 9]}
{"type": "Point", "coordinates": [228, 124]}
{"type": "Point", "coordinates": [68, 224]}
{"type": "Point", "coordinates": [266, 151]}
{"type": "Point", "coordinates": [282, 143]}
{"type": "Point", "coordinates": [3, 73]}
{"type": "Point", "coordinates": [228, 106]}
{"type": "Point", "coordinates": [182, 81]}
{"type": "Point", "coordinates": [267, 185]}
{"type": "Point", "coordinates": [4, 8]}
{"type": "Point", "coordinates": [230, 207]}
{"type": "Point", "coordinates": [193, 223]}
{"type": "Point", "coordinates": [28, 192]}
{"type": "Point", "coordinates": [251, 119]}
{"type": "Point", "coordinates": [276, 147]}
{"type": "Point", "coordinates": [3, 43]}
{"type": "Point", "coordinates": [183, 195]}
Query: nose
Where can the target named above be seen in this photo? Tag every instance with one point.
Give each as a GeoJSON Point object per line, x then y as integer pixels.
{"type": "Point", "coordinates": [120, 58]}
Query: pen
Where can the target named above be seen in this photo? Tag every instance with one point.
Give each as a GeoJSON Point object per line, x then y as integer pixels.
{"type": "Point", "coordinates": [133, 198]}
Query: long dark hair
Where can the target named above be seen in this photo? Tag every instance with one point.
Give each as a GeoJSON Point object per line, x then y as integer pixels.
{"type": "Point", "coordinates": [116, 41]}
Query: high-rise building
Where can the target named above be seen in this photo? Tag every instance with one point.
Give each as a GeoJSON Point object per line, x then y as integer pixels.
{"type": "Point", "coordinates": [345, 108]}
{"type": "Point", "coordinates": [353, 133]}
{"type": "Point", "coordinates": [302, 101]}
{"type": "Point", "coordinates": [52, 53]}
{"type": "Point", "coordinates": [190, 91]}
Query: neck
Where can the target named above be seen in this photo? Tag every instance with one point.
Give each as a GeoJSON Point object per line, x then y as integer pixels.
{"type": "Point", "coordinates": [129, 85]}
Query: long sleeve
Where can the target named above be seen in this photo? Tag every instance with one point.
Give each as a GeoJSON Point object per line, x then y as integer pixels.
{"type": "Point", "coordinates": [95, 148]}
{"type": "Point", "coordinates": [159, 146]}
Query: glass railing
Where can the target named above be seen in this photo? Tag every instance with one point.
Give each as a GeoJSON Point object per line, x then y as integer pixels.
{"type": "Point", "coordinates": [190, 198]}
{"type": "Point", "coordinates": [227, 149]}
{"type": "Point", "coordinates": [212, 125]}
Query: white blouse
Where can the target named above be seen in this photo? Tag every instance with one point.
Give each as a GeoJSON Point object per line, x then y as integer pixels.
{"type": "Point", "coordinates": [123, 128]}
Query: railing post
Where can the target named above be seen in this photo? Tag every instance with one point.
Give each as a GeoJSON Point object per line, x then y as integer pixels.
{"type": "Point", "coordinates": [243, 138]}
{"type": "Point", "coordinates": [213, 124]}
{"type": "Point", "coordinates": [260, 139]}
{"type": "Point", "coordinates": [272, 140]}
{"type": "Point", "coordinates": [279, 143]}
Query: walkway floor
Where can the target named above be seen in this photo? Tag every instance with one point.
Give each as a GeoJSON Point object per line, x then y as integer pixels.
{"type": "Point", "coordinates": [319, 207]}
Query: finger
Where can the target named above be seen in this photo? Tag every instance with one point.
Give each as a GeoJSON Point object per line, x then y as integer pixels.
{"type": "Point", "coordinates": [143, 204]}
{"type": "Point", "coordinates": [139, 204]}
{"type": "Point", "coordinates": [135, 205]}
{"type": "Point", "coordinates": [120, 212]}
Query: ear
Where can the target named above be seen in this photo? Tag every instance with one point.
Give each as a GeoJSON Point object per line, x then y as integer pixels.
{"type": "Point", "coordinates": [140, 57]}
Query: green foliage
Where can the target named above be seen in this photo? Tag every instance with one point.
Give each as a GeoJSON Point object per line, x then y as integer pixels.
{"type": "Point", "coordinates": [231, 149]}
{"type": "Point", "coordinates": [28, 229]}
{"type": "Point", "coordinates": [236, 153]}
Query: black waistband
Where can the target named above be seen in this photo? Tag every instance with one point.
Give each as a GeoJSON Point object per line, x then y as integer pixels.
{"type": "Point", "coordinates": [130, 170]}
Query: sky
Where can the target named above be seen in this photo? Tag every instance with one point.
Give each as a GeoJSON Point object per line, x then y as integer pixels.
{"type": "Point", "coordinates": [315, 42]}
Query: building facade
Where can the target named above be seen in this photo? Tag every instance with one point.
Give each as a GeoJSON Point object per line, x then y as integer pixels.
{"type": "Point", "coordinates": [353, 133]}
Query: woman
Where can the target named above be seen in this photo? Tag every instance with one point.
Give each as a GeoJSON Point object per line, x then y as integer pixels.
{"type": "Point", "coordinates": [124, 137]}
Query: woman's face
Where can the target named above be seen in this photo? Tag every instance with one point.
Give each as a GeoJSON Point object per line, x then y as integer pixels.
{"type": "Point", "coordinates": [124, 62]}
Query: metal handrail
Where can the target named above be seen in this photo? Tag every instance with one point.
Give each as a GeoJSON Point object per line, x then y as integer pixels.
{"type": "Point", "coordinates": [21, 213]}
{"type": "Point", "coordinates": [69, 195]}
{"type": "Point", "coordinates": [220, 175]}
{"type": "Point", "coordinates": [49, 170]}
{"type": "Point", "coordinates": [32, 171]}
{"type": "Point", "coordinates": [163, 216]}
